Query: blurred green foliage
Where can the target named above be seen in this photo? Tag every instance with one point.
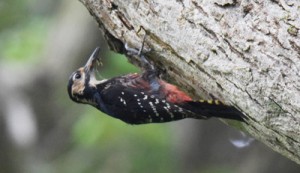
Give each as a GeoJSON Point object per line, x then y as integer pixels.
{"type": "Point", "coordinates": [137, 148]}
{"type": "Point", "coordinates": [23, 24]}
{"type": "Point", "coordinates": [116, 64]}
{"type": "Point", "coordinates": [12, 12]}
{"type": "Point", "coordinates": [22, 45]}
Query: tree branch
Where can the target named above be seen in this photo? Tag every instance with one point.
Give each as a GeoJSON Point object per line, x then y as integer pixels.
{"type": "Point", "coordinates": [244, 53]}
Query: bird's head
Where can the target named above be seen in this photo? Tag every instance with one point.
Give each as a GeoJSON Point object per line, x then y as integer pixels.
{"type": "Point", "coordinates": [82, 82]}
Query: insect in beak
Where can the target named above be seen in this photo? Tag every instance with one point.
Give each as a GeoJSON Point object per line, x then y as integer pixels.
{"type": "Point", "coordinates": [92, 61]}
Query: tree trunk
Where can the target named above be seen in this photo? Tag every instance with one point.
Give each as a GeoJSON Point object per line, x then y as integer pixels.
{"type": "Point", "coordinates": [246, 53]}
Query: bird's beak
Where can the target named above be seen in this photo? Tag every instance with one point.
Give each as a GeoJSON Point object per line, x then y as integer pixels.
{"type": "Point", "coordinates": [89, 66]}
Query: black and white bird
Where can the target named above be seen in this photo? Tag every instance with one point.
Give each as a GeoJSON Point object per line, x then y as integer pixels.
{"type": "Point", "coordinates": [141, 98]}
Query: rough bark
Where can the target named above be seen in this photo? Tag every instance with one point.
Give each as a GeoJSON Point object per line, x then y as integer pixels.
{"type": "Point", "coordinates": [246, 53]}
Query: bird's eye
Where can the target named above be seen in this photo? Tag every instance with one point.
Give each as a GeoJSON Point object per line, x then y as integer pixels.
{"type": "Point", "coordinates": [77, 76]}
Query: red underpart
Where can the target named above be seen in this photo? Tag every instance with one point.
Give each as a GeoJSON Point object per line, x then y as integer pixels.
{"type": "Point", "coordinates": [168, 91]}
{"type": "Point", "coordinates": [173, 94]}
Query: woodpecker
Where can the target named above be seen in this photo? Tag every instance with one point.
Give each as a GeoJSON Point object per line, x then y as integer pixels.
{"type": "Point", "coordinates": [141, 98]}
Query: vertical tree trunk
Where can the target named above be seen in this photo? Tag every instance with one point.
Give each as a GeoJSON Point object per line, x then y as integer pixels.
{"type": "Point", "coordinates": [246, 53]}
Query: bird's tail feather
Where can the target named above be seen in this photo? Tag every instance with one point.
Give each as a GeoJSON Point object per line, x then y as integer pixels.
{"type": "Point", "coordinates": [214, 108]}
